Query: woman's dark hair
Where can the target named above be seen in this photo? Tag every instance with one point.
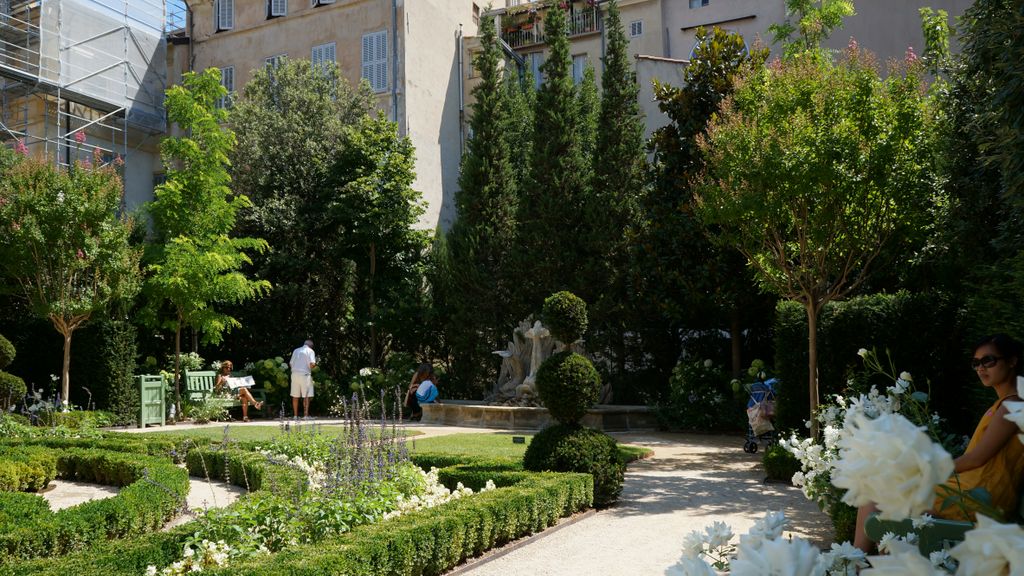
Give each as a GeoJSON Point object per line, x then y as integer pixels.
{"type": "Point", "coordinates": [424, 372]}
{"type": "Point", "coordinates": [1006, 345]}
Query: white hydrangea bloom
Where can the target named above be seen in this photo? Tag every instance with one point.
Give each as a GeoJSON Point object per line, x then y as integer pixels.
{"type": "Point", "coordinates": [904, 563]}
{"type": "Point", "coordinates": [693, 544]}
{"type": "Point", "coordinates": [695, 567]}
{"type": "Point", "coordinates": [718, 534]}
{"type": "Point", "coordinates": [781, 556]}
{"type": "Point", "coordinates": [842, 560]}
{"type": "Point", "coordinates": [891, 462]}
{"type": "Point", "coordinates": [991, 548]}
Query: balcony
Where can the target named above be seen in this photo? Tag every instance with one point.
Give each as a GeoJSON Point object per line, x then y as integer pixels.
{"type": "Point", "coordinates": [526, 28]}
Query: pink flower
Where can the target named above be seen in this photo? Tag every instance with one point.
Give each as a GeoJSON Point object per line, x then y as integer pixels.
{"type": "Point", "coordinates": [20, 147]}
{"type": "Point", "coordinates": [16, 226]}
{"type": "Point", "coordinates": [910, 57]}
{"type": "Point", "coordinates": [118, 160]}
{"type": "Point", "coordinates": [80, 137]}
{"type": "Point", "coordinates": [80, 255]}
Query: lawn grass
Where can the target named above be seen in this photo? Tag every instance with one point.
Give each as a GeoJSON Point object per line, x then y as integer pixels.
{"type": "Point", "coordinates": [497, 445]}
{"type": "Point", "coordinates": [252, 433]}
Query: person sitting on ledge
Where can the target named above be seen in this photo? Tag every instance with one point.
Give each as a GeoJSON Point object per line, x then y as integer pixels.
{"type": "Point", "coordinates": [994, 459]}
{"type": "Point", "coordinates": [244, 396]}
{"type": "Point", "coordinates": [422, 390]}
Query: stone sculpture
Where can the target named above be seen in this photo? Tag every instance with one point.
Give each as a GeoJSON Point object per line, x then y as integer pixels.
{"type": "Point", "coordinates": [531, 344]}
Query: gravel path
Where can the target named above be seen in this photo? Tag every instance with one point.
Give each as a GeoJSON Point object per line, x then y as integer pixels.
{"type": "Point", "coordinates": [690, 482]}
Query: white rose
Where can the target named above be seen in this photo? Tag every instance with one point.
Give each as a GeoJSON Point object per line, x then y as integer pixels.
{"type": "Point", "coordinates": [693, 544]}
{"type": "Point", "coordinates": [892, 463]}
{"type": "Point", "coordinates": [906, 376]}
{"type": "Point", "coordinates": [906, 563]}
{"type": "Point", "coordinates": [718, 534]}
{"type": "Point", "coordinates": [695, 567]}
{"type": "Point", "coordinates": [863, 353]}
{"type": "Point", "coordinates": [794, 557]}
{"type": "Point", "coordinates": [991, 548]}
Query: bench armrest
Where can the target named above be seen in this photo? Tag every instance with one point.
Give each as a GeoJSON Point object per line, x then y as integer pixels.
{"type": "Point", "coordinates": [930, 538]}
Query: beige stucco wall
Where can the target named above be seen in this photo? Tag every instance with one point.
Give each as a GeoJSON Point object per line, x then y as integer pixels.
{"type": "Point", "coordinates": [666, 71]}
{"type": "Point", "coordinates": [431, 99]}
{"type": "Point", "coordinates": [885, 27]}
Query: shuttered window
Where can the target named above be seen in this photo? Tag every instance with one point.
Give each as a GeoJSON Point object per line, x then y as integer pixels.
{"type": "Point", "coordinates": [227, 80]}
{"type": "Point", "coordinates": [375, 60]}
{"type": "Point", "coordinates": [322, 55]}
{"type": "Point", "coordinates": [277, 8]}
{"type": "Point", "coordinates": [636, 28]}
{"type": "Point", "coordinates": [579, 68]}
{"type": "Point", "coordinates": [223, 14]}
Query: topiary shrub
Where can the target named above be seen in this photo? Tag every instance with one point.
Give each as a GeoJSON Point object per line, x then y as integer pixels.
{"type": "Point", "coordinates": [565, 315]}
{"type": "Point", "coordinates": [572, 448]}
{"type": "Point", "coordinates": [7, 352]}
{"type": "Point", "coordinates": [12, 389]}
{"type": "Point", "coordinates": [569, 385]}
{"type": "Point", "coordinates": [779, 463]}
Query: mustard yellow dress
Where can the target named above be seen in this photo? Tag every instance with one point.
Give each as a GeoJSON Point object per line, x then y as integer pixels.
{"type": "Point", "coordinates": [1001, 475]}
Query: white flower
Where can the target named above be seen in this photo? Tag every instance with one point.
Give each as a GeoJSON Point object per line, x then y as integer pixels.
{"type": "Point", "coordinates": [794, 557]}
{"type": "Point", "coordinates": [718, 534]}
{"type": "Point", "coordinates": [905, 376]}
{"type": "Point", "coordinates": [693, 544]}
{"type": "Point", "coordinates": [843, 559]}
{"type": "Point", "coordinates": [150, 570]}
{"type": "Point", "coordinates": [991, 548]}
{"type": "Point", "coordinates": [695, 567]}
{"type": "Point", "coordinates": [708, 363]}
{"type": "Point", "coordinates": [863, 353]}
{"type": "Point", "coordinates": [924, 520]}
{"type": "Point", "coordinates": [892, 463]}
{"type": "Point", "coordinates": [905, 563]}
{"type": "Point", "coordinates": [886, 543]}
{"type": "Point", "coordinates": [1015, 412]}
{"type": "Point", "coordinates": [939, 558]}
{"type": "Point", "coordinates": [365, 371]}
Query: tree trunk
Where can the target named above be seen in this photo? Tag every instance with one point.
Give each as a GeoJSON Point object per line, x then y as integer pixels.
{"type": "Point", "coordinates": [177, 371]}
{"type": "Point", "coordinates": [65, 378]}
{"type": "Point", "coordinates": [735, 338]}
{"type": "Point", "coordinates": [812, 362]}
{"type": "Point", "coordinates": [373, 307]}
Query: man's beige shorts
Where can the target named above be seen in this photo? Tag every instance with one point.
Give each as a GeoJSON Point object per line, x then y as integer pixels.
{"type": "Point", "coordinates": [302, 385]}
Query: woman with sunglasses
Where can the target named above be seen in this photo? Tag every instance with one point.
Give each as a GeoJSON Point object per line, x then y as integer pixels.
{"type": "Point", "coordinates": [994, 459]}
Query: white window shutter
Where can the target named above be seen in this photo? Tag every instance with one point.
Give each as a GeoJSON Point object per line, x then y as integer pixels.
{"type": "Point", "coordinates": [374, 60]}
{"type": "Point", "coordinates": [226, 14]}
{"type": "Point", "coordinates": [278, 7]}
{"type": "Point", "coordinates": [329, 53]}
{"type": "Point", "coordinates": [366, 58]}
{"type": "Point", "coordinates": [382, 61]}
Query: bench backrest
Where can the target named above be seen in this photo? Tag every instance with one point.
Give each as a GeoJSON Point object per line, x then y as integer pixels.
{"type": "Point", "coordinates": [199, 383]}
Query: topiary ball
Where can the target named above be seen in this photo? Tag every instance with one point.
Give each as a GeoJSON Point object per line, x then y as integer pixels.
{"type": "Point", "coordinates": [12, 389]}
{"type": "Point", "coordinates": [572, 448]}
{"type": "Point", "coordinates": [7, 352]}
{"type": "Point", "coordinates": [565, 315]}
{"type": "Point", "coordinates": [569, 385]}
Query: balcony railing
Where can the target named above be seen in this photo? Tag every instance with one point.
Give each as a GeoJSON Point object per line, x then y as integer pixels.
{"type": "Point", "coordinates": [527, 33]}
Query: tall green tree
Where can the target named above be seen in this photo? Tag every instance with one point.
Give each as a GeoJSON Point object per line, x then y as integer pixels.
{"type": "Point", "coordinates": [620, 164]}
{"type": "Point", "coordinates": [336, 278]}
{"type": "Point", "coordinates": [194, 265]}
{"type": "Point", "coordinates": [550, 215]}
{"type": "Point", "coordinates": [65, 243]}
{"type": "Point", "coordinates": [812, 169]}
{"type": "Point", "coordinates": [475, 281]}
{"type": "Point", "coordinates": [807, 24]}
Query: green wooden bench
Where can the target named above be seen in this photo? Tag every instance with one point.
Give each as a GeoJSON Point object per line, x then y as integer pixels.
{"type": "Point", "coordinates": [200, 384]}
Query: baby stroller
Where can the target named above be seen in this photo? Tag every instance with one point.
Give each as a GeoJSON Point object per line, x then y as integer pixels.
{"type": "Point", "coordinates": [760, 413]}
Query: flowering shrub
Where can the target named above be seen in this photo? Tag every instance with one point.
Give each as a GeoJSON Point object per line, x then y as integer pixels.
{"type": "Point", "coordinates": [701, 398]}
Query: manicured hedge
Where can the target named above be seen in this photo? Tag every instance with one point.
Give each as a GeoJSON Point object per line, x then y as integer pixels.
{"type": "Point", "coordinates": [427, 542]}
{"type": "Point", "coordinates": [26, 468]}
{"type": "Point", "coordinates": [922, 331]}
{"type": "Point", "coordinates": [154, 489]}
{"type": "Point", "coordinates": [167, 447]}
{"type": "Point", "coordinates": [248, 470]}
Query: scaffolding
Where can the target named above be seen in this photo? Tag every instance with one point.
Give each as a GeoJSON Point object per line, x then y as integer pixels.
{"type": "Point", "coordinates": [82, 79]}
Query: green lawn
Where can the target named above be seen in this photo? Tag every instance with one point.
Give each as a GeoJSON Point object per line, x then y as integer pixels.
{"type": "Point", "coordinates": [496, 445]}
{"type": "Point", "coordinates": [249, 433]}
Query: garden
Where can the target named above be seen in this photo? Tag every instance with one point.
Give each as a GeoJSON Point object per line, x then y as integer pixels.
{"type": "Point", "coordinates": [839, 227]}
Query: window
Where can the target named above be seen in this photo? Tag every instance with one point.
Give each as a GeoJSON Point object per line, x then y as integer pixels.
{"type": "Point", "coordinates": [277, 8]}
{"type": "Point", "coordinates": [227, 80]}
{"type": "Point", "coordinates": [315, 3]}
{"type": "Point", "coordinates": [698, 3]}
{"type": "Point", "coordinates": [275, 61]}
{"type": "Point", "coordinates": [476, 13]}
{"type": "Point", "coordinates": [636, 28]}
{"type": "Point", "coordinates": [471, 62]}
{"type": "Point", "coordinates": [223, 15]}
{"type": "Point", "coordinates": [321, 56]}
{"type": "Point", "coordinates": [375, 60]}
{"type": "Point", "coordinates": [579, 68]}
{"type": "Point", "coordinates": [536, 61]}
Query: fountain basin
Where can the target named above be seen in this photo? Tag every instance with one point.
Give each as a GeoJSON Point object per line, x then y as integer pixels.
{"type": "Point", "coordinates": [470, 414]}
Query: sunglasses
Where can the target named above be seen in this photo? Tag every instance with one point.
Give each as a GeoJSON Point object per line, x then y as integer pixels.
{"type": "Point", "coordinates": [985, 361]}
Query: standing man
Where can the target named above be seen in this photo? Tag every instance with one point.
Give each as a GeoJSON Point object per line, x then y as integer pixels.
{"type": "Point", "coordinates": [302, 363]}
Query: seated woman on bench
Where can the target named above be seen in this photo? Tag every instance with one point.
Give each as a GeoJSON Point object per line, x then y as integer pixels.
{"type": "Point", "coordinates": [244, 396]}
{"type": "Point", "coordinates": [994, 459]}
{"type": "Point", "coordinates": [422, 390]}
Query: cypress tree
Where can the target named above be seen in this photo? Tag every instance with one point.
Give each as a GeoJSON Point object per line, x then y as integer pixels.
{"type": "Point", "coordinates": [475, 285]}
{"type": "Point", "coordinates": [551, 215]}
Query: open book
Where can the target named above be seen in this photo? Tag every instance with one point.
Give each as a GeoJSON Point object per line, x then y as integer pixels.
{"type": "Point", "coordinates": [243, 382]}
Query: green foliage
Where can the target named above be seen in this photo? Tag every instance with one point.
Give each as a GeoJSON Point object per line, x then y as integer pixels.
{"type": "Point", "coordinates": [884, 321]}
{"type": "Point", "coordinates": [77, 419]}
{"type": "Point", "coordinates": [121, 391]}
{"type": "Point", "coordinates": [812, 21]}
{"type": "Point", "coordinates": [844, 521]}
{"type": "Point", "coordinates": [7, 352]}
{"type": "Point", "coordinates": [331, 192]}
{"type": "Point", "coordinates": [209, 409]}
{"type": "Point", "coordinates": [26, 469]}
{"type": "Point", "coordinates": [571, 448]}
{"type": "Point", "coordinates": [780, 464]}
{"type": "Point", "coordinates": [12, 389]}
{"type": "Point", "coordinates": [195, 263]}
{"type": "Point", "coordinates": [153, 490]}
{"type": "Point", "coordinates": [812, 169]}
{"type": "Point", "coordinates": [560, 181]}
{"type": "Point", "coordinates": [569, 385]}
{"type": "Point", "coordinates": [65, 243]}
{"type": "Point", "coordinates": [565, 315]}
{"type": "Point", "coordinates": [474, 279]}
{"type": "Point", "coordinates": [701, 399]}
